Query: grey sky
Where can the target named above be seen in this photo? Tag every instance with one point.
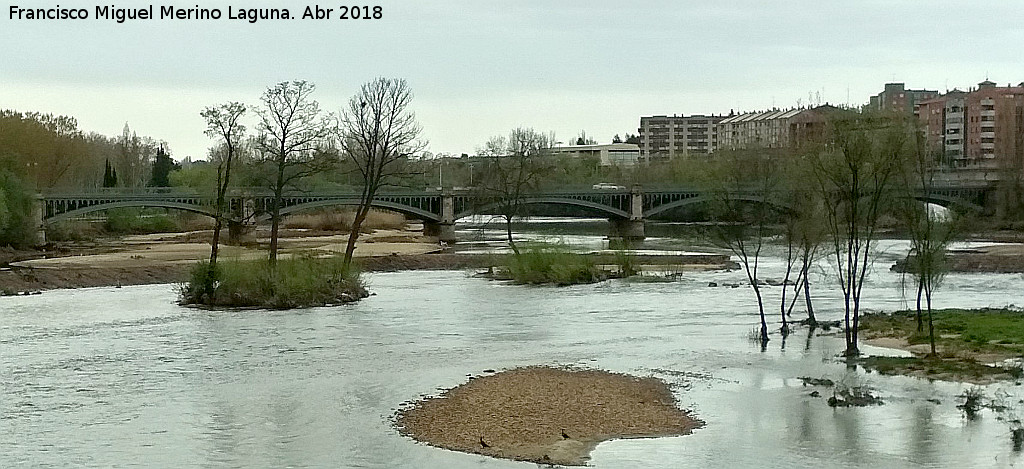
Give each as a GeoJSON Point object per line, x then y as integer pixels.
{"type": "Point", "coordinates": [479, 68]}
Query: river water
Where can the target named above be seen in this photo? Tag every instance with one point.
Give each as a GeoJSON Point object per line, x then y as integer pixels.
{"type": "Point", "coordinates": [107, 377]}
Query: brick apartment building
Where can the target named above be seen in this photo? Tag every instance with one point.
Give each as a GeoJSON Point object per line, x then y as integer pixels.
{"type": "Point", "coordinates": [669, 137]}
{"type": "Point", "coordinates": [980, 128]}
{"type": "Point", "coordinates": [895, 97]}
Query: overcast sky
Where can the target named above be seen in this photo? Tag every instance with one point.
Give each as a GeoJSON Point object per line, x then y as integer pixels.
{"type": "Point", "coordinates": [479, 68]}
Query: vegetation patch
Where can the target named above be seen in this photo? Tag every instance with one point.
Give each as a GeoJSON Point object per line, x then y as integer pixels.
{"type": "Point", "coordinates": [943, 368]}
{"type": "Point", "coordinates": [854, 396]}
{"type": "Point", "coordinates": [300, 281]}
{"type": "Point", "coordinates": [957, 331]}
{"type": "Point", "coordinates": [552, 265]}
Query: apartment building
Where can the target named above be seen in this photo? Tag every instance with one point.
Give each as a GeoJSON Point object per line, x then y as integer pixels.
{"type": "Point", "coordinates": [895, 97]}
{"type": "Point", "coordinates": [980, 128]}
{"type": "Point", "coordinates": [670, 137]}
{"type": "Point", "coordinates": [773, 129]}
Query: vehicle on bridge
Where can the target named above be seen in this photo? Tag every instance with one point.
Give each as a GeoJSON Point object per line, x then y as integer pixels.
{"type": "Point", "coordinates": [607, 186]}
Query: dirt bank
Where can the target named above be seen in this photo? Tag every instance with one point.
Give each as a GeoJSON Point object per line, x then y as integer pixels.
{"type": "Point", "coordinates": [167, 257]}
{"type": "Point", "coordinates": [545, 415]}
{"type": "Point", "coordinates": [1005, 258]}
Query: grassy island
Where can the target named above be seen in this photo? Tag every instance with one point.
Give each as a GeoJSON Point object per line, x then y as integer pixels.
{"type": "Point", "coordinates": [966, 342]}
{"type": "Point", "coordinates": [296, 282]}
{"type": "Point", "coordinates": [552, 265]}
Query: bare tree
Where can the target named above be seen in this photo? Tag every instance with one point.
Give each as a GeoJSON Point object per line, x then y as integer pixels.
{"type": "Point", "coordinates": [514, 169]}
{"type": "Point", "coordinates": [742, 226]}
{"type": "Point", "coordinates": [377, 132]}
{"type": "Point", "coordinates": [290, 132]}
{"type": "Point", "coordinates": [136, 155]}
{"type": "Point", "coordinates": [223, 123]}
{"type": "Point", "coordinates": [855, 176]}
{"type": "Point", "coordinates": [930, 234]}
{"type": "Point", "coordinates": [802, 235]}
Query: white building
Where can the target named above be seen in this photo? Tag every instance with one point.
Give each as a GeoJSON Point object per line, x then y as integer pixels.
{"type": "Point", "coordinates": [619, 154]}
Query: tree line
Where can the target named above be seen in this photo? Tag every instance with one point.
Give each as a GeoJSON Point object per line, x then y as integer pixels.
{"type": "Point", "coordinates": [42, 152]}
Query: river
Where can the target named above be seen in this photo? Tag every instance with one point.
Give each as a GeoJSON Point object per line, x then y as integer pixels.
{"type": "Point", "coordinates": [124, 377]}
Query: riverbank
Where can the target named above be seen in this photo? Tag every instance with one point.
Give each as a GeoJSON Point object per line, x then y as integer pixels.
{"type": "Point", "coordinates": [999, 258]}
{"type": "Point", "coordinates": [168, 258]}
{"type": "Point", "coordinates": [545, 415]}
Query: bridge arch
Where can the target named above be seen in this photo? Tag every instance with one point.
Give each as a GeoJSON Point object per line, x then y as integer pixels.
{"type": "Point", "coordinates": [131, 203]}
{"type": "Point", "coordinates": [604, 209]}
{"type": "Point", "coordinates": [951, 202]}
{"type": "Point", "coordinates": [397, 207]}
{"type": "Point", "coordinates": [700, 199]}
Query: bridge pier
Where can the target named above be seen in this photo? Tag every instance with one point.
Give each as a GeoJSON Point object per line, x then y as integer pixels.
{"type": "Point", "coordinates": [444, 231]}
{"type": "Point", "coordinates": [629, 230]}
{"type": "Point", "coordinates": [445, 228]}
{"type": "Point", "coordinates": [626, 230]}
{"type": "Point", "coordinates": [38, 216]}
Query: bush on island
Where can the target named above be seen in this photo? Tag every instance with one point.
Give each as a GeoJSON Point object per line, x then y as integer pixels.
{"type": "Point", "coordinates": [552, 264]}
{"type": "Point", "coordinates": [300, 281]}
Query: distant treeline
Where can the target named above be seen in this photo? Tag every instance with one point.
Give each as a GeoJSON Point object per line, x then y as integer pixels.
{"type": "Point", "coordinates": [42, 152]}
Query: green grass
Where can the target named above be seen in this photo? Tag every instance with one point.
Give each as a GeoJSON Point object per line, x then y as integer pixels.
{"type": "Point", "coordinates": [138, 221]}
{"type": "Point", "coordinates": [552, 264]}
{"type": "Point", "coordinates": [935, 367]}
{"type": "Point", "coordinates": [300, 281]}
{"type": "Point", "coordinates": [981, 330]}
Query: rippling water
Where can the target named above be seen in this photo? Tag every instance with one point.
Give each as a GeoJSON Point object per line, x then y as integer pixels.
{"type": "Point", "coordinates": [123, 377]}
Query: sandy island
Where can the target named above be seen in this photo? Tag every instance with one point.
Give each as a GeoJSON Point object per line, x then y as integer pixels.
{"type": "Point", "coordinates": [545, 415]}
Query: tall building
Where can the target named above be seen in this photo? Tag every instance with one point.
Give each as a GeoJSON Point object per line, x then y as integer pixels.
{"type": "Point", "coordinates": [669, 137]}
{"type": "Point", "coordinates": [773, 129]}
{"type": "Point", "coordinates": [979, 128]}
{"type": "Point", "coordinates": [895, 97]}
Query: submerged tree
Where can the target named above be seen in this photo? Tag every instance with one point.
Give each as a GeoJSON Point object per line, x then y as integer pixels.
{"type": "Point", "coordinates": [930, 232]}
{"type": "Point", "coordinates": [802, 234]}
{"type": "Point", "coordinates": [290, 132]}
{"type": "Point", "coordinates": [378, 133]}
{"type": "Point", "coordinates": [742, 186]}
{"type": "Point", "coordinates": [223, 122]}
{"type": "Point", "coordinates": [514, 168]}
{"type": "Point", "coordinates": [855, 177]}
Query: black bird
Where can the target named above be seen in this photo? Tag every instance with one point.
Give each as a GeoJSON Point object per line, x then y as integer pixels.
{"type": "Point", "coordinates": [565, 435]}
{"type": "Point", "coordinates": [483, 444]}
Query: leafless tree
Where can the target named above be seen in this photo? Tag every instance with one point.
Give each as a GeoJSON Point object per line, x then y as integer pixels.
{"type": "Point", "coordinates": [855, 177]}
{"type": "Point", "coordinates": [377, 133]}
{"type": "Point", "coordinates": [514, 169]}
{"type": "Point", "coordinates": [930, 233]}
{"type": "Point", "coordinates": [223, 123]}
{"type": "Point", "coordinates": [136, 156]}
{"type": "Point", "coordinates": [741, 225]}
{"type": "Point", "coordinates": [290, 132]}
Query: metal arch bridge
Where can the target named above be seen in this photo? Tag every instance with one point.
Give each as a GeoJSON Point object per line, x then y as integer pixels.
{"type": "Point", "coordinates": [429, 206]}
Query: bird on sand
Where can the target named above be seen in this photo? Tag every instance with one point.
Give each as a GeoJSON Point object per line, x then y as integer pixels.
{"type": "Point", "coordinates": [565, 435]}
{"type": "Point", "coordinates": [483, 444]}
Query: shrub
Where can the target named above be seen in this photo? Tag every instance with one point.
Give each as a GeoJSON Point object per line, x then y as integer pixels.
{"type": "Point", "coordinates": [300, 281]}
{"type": "Point", "coordinates": [16, 224]}
{"type": "Point", "coordinates": [138, 221]}
{"type": "Point", "coordinates": [341, 221]}
{"type": "Point", "coordinates": [552, 264]}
